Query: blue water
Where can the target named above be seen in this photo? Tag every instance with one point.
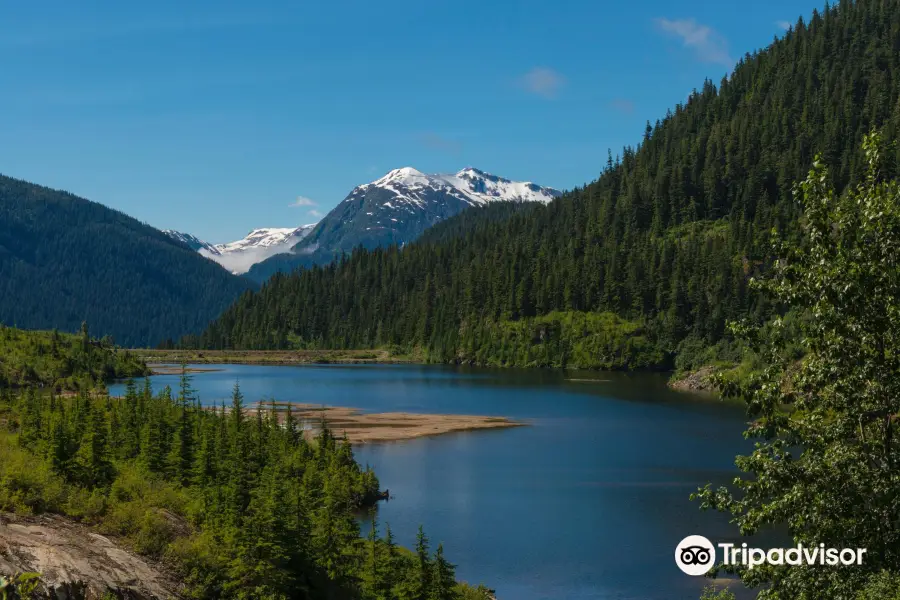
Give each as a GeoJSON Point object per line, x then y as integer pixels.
{"type": "Point", "coordinates": [588, 502]}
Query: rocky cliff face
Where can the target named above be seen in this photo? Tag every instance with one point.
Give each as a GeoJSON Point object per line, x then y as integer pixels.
{"type": "Point", "coordinates": [77, 563]}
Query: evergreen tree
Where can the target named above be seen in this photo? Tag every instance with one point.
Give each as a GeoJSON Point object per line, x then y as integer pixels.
{"type": "Point", "coordinates": [181, 456]}
{"type": "Point", "coordinates": [423, 567]}
{"type": "Point", "coordinates": [443, 583]}
{"type": "Point", "coordinates": [259, 566]}
{"type": "Point", "coordinates": [239, 462]}
{"type": "Point", "coordinates": [391, 558]}
{"type": "Point", "coordinates": [131, 435]}
{"type": "Point", "coordinates": [94, 456]}
{"type": "Point", "coordinates": [290, 426]}
{"type": "Point", "coordinates": [373, 568]}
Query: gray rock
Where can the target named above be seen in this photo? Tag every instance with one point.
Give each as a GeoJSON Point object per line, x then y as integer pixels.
{"type": "Point", "coordinates": [76, 563]}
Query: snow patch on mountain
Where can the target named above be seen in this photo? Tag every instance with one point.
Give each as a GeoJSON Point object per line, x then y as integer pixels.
{"type": "Point", "coordinates": [266, 238]}
{"type": "Point", "coordinates": [191, 241]}
{"type": "Point", "coordinates": [473, 186]}
{"type": "Point", "coordinates": [483, 188]}
{"type": "Point", "coordinates": [257, 246]}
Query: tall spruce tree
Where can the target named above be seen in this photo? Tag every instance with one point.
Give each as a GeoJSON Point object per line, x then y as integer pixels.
{"type": "Point", "coordinates": [181, 455]}
{"type": "Point", "coordinates": [443, 582]}
{"type": "Point", "coordinates": [94, 455]}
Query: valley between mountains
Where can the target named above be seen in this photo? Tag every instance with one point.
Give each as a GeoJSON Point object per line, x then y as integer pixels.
{"type": "Point", "coordinates": [746, 239]}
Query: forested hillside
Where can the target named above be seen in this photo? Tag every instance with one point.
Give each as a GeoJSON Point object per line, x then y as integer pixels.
{"type": "Point", "coordinates": [667, 237]}
{"type": "Point", "coordinates": [65, 260]}
{"type": "Point", "coordinates": [240, 506]}
{"type": "Point", "coordinates": [240, 503]}
{"type": "Point", "coordinates": [60, 360]}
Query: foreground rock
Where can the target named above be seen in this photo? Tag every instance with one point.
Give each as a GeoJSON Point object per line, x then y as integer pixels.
{"type": "Point", "coordinates": [77, 563]}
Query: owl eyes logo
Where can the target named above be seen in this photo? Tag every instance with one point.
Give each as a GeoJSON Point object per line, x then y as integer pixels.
{"type": "Point", "coordinates": [695, 555]}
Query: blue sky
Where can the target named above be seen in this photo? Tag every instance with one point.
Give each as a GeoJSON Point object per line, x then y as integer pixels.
{"type": "Point", "coordinates": [216, 117]}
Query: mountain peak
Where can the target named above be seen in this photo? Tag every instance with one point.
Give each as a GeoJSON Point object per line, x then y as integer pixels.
{"type": "Point", "coordinates": [405, 172]}
{"type": "Point", "coordinates": [402, 176]}
{"type": "Point", "coordinates": [471, 171]}
{"type": "Point", "coordinates": [470, 185]}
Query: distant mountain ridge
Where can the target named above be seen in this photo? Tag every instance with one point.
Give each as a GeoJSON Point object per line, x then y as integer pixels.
{"type": "Point", "coordinates": [64, 260]}
{"type": "Point", "coordinates": [396, 209]}
{"type": "Point", "coordinates": [256, 246]}
{"type": "Point", "coordinates": [191, 241]}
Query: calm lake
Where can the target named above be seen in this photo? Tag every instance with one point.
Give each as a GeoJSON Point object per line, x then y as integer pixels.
{"type": "Point", "coordinates": [588, 502]}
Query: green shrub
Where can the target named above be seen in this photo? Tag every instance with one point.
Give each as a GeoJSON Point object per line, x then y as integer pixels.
{"type": "Point", "coordinates": [130, 484]}
{"type": "Point", "coordinates": [148, 528]}
{"type": "Point", "coordinates": [84, 504]}
{"type": "Point", "coordinates": [21, 585]}
{"type": "Point", "coordinates": [27, 484]}
{"type": "Point", "coordinates": [201, 563]}
{"type": "Point", "coordinates": [138, 507]}
{"type": "Point", "coordinates": [124, 517]}
{"type": "Point", "coordinates": [154, 533]}
{"type": "Point", "coordinates": [711, 592]}
{"type": "Point", "coordinates": [883, 586]}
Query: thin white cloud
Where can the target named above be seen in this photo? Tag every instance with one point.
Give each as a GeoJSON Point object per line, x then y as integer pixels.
{"type": "Point", "coordinates": [623, 105]}
{"type": "Point", "coordinates": [315, 214]}
{"type": "Point", "coordinates": [709, 45]}
{"type": "Point", "coordinates": [543, 81]}
{"type": "Point", "coordinates": [303, 201]}
{"type": "Point", "coordinates": [784, 24]}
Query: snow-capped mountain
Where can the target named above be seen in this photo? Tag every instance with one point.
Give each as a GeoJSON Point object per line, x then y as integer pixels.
{"type": "Point", "coordinates": [242, 254]}
{"type": "Point", "coordinates": [271, 237]}
{"type": "Point", "coordinates": [191, 241]}
{"type": "Point", "coordinates": [396, 209]}
{"type": "Point", "coordinates": [469, 185]}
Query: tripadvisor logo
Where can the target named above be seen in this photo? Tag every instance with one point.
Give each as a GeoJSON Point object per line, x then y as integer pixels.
{"type": "Point", "coordinates": [696, 555]}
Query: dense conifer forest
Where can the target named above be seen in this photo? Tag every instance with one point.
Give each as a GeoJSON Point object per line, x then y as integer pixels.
{"type": "Point", "coordinates": [65, 260]}
{"type": "Point", "coordinates": [664, 241]}
{"type": "Point", "coordinates": [238, 500]}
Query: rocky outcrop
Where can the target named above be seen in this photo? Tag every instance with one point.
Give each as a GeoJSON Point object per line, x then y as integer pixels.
{"type": "Point", "coordinates": [695, 381]}
{"type": "Point", "coordinates": [76, 563]}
